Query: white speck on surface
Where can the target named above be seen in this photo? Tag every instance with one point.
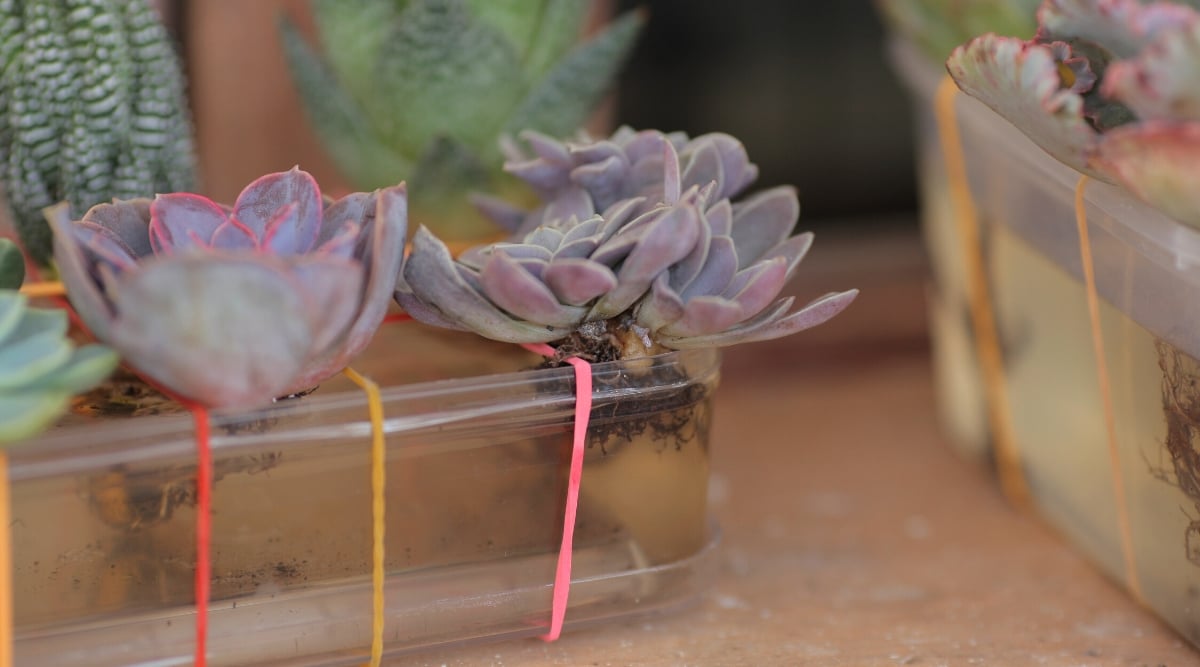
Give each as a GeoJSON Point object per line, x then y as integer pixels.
{"type": "Point", "coordinates": [729, 601]}
{"type": "Point", "coordinates": [917, 527]}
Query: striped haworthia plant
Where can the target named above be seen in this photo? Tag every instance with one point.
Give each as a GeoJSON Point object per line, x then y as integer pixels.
{"type": "Point", "coordinates": [92, 107]}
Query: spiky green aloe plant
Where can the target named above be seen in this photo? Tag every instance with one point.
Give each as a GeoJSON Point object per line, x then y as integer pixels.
{"type": "Point", "coordinates": [39, 367]}
{"type": "Point", "coordinates": [424, 89]}
{"type": "Point", "coordinates": [91, 107]}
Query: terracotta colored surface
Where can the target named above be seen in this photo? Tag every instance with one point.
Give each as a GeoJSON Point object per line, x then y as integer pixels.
{"type": "Point", "coordinates": [854, 536]}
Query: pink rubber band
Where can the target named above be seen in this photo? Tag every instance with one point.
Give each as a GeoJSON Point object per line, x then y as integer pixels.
{"type": "Point", "coordinates": [583, 412]}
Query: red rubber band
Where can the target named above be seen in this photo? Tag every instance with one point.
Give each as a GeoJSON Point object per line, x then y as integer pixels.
{"type": "Point", "coordinates": [203, 527]}
{"type": "Point", "coordinates": [583, 412]}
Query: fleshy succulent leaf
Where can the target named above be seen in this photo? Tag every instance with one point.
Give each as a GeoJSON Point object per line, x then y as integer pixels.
{"type": "Point", "coordinates": [188, 332]}
{"type": "Point", "coordinates": [12, 265]}
{"type": "Point", "coordinates": [720, 266]}
{"type": "Point", "coordinates": [342, 124]}
{"type": "Point", "coordinates": [577, 281]}
{"type": "Point", "coordinates": [352, 33]}
{"type": "Point", "coordinates": [93, 106]}
{"type": "Point", "coordinates": [181, 220]}
{"type": "Point", "coordinates": [431, 275]}
{"type": "Point", "coordinates": [23, 416]}
{"type": "Point", "coordinates": [263, 200]}
{"type": "Point", "coordinates": [762, 222]}
{"type": "Point", "coordinates": [247, 314]}
{"type": "Point", "coordinates": [440, 62]}
{"type": "Point", "coordinates": [85, 368]}
{"type": "Point", "coordinates": [665, 241]}
{"type": "Point", "coordinates": [126, 222]}
{"type": "Point", "coordinates": [769, 325]}
{"type": "Point", "coordinates": [1123, 27]}
{"type": "Point", "coordinates": [562, 99]}
{"type": "Point", "coordinates": [39, 369]}
{"type": "Point", "coordinates": [1163, 82]}
{"type": "Point", "coordinates": [1157, 162]}
{"type": "Point", "coordinates": [659, 266]}
{"type": "Point", "coordinates": [661, 307]}
{"type": "Point", "coordinates": [522, 294]}
{"type": "Point", "coordinates": [1021, 82]}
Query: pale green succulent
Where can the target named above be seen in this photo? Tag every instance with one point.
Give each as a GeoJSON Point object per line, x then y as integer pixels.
{"type": "Point", "coordinates": [91, 107]}
{"type": "Point", "coordinates": [12, 266]}
{"type": "Point", "coordinates": [424, 89]}
{"type": "Point", "coordinates": [40, 369]}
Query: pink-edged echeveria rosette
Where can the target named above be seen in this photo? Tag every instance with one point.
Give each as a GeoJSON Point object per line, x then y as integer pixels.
{"type": "Point", "coordinates": [1136, 118]}
{"type": "Point", "coordinates": [630, 246]}
{"type": "Point", "coordinates": [232, 307]}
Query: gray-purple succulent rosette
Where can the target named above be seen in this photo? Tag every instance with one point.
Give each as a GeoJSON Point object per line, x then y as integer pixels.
{"type": "Point", "coordinates": [1109, 87]}
{"type": "Point", "coordinates": [235, 306]}
{"type": "Point", "coordinates": [636, 241]}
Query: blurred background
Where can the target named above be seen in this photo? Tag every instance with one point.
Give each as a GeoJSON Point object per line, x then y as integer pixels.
{"type": "Point", "coordinates": [805, 85]}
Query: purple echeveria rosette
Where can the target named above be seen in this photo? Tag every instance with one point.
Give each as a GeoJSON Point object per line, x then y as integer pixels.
{"type": "Point", "coordinates": [636, 230]}
{"type": "Point", "coordinates": [233, 307]}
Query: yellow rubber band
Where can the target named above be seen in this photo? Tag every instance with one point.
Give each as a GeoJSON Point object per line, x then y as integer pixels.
{"type": "Point", "coordinates": [378, 479]}
{"type": "Point", "coordinates": [6, 602]}
{"type": "Point", "coordinates": [43, 289]}
{"type": "Point", "coordinates": [1124, 525]}
{"type": "Point", "coordinates": [987, 344]}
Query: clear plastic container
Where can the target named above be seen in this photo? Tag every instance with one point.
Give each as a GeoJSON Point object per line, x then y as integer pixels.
{"type": "Point", "coordinates": [958, 389]}
{"type": "Point", "coordinates": [103, 512]}
{"type": "Point", "coordinates": [1148, 280]}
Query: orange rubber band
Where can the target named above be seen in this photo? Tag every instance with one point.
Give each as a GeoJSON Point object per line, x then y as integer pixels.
{"type": "Point", "coordinates": [378, 487]}
{"type": "Point", "coordinates": [44, 289]}
{"type": "Point", "coordinates": [987, 343]}
{"type": "Point", "coordinates": [1124, 525]}
{"type": "Point", "coordinates": [6, 601]}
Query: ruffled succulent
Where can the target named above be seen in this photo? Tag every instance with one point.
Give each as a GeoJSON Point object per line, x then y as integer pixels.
{"type": "Point", "coordinates": [422, 89]}
{"type": "Point", "coordinates": [236, 306]}
{"type": "Point", "coordinates": [938, 26]}
{"type": "Point", "coordinates": [40, 369]}
{"type": "Point", "coordinates": [667, 267]}
{"type": "Point", "coordinates": [1109, 87]}
{"type": "Point", "coordinates": [92, 106]}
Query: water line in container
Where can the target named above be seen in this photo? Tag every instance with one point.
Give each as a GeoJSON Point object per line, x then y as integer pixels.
{"type": "Point", "coordinates": [1110, 422]}
{"type": "Point", "coordinates": [983, 319]}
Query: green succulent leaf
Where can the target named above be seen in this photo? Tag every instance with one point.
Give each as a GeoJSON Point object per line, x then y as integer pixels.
{"type": "Point", "coordinates": [91, 107]}
{"type": "Point", "coordinates": [39, 367]}
{"type": "Point", "coordinates": [352, 32]}
{"type": "Point", "coordinates": [563, 99]}
{"type": "Point", "coordinates": [342, 124]}
{"type": "Point", "coordinates": [542, 31]}
{"type": "Point", "coordinates": [448, 74]}
{"type": "Point", "coordinates": [23, 416]}
{"type": "Point", "coordinates": [85, 368]}
{"type": "Point", "coordinates": [12, 265]}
